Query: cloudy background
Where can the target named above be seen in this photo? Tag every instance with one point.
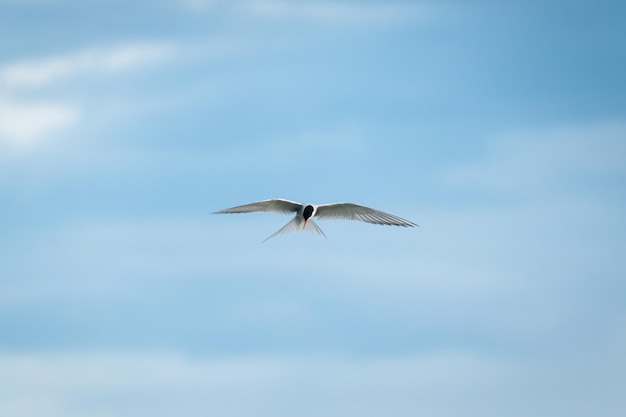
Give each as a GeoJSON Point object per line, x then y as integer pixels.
{"type": "Point", "coordinates": [499, 127]}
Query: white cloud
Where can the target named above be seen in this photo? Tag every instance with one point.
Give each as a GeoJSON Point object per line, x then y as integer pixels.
{"type": "Point", "coordinates": [42, 72]}
{"type": "Point", "coordinates": [23, 124]}
{"type": "Point", "coordinates": [541, 159]}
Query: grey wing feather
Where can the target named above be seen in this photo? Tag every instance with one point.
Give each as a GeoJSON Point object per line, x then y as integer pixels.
{"type": "Point", "coordinates": [350, 211]}
{"type": "Point", "coordinates": [276, 205]}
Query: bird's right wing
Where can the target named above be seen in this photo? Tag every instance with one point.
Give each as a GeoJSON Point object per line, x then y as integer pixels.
{"type": "Point", "coordinates": [350, 211]}
{"type": "Point", "coordinates": [276, 205]}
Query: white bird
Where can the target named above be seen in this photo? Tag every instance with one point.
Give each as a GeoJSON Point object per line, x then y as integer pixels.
{"type": "Point", "coordinates": [303, 220]}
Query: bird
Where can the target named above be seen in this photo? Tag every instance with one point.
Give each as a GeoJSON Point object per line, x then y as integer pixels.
{"type": "Point", "coordinates": [304, 213]}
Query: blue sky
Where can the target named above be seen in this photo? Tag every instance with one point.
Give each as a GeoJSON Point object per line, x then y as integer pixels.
{"type": "Point", "coordinates": [499, 127]}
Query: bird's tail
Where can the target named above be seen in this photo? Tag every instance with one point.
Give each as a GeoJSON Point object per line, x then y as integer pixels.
{"type": "Point", "coordinates": [297, 225]}
{"type": "Point", "coordinates": [312, 227]}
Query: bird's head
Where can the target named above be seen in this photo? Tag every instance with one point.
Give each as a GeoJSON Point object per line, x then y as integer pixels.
{"type": "Point", "coordinates": [307, 212]}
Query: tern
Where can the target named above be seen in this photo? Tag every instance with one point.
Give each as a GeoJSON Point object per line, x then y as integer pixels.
{"type": "Point", "coordinates": [304, 213]}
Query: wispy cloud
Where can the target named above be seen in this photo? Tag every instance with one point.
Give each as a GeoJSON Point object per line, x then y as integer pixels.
{"type": "Point", "coordinates": [43, 71]}
{"type": "Point", "coordinates": [29, 113]}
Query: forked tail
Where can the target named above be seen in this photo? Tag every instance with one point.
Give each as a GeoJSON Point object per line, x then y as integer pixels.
{"type": "Point", "coordinates": [297, 225]}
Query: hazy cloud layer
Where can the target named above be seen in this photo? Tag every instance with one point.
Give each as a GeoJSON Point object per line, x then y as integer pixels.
{"type": "Point", "coordinates": [161, 384]}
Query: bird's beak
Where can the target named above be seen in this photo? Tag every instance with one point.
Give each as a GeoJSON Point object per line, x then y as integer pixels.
{"type": "Point", "coordinates": [304, 225]}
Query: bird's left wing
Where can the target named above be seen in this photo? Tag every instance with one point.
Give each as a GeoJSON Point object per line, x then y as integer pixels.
{"type": "Point", "coordinates": [350, 211]}
{"type": "Point", "coordinates": [276, 205]}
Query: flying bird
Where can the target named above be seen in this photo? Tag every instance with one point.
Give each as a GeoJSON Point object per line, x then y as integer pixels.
{"type": "Point", "coordinates": [304, 213]}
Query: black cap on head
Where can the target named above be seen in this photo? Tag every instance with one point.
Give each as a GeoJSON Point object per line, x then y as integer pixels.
{"type": "Point", "coordinates": [308, 211]}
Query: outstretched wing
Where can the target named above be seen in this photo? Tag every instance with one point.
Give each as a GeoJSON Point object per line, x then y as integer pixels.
{"type": "Point", "coordinates": [350, 211]}
{"type": "Point", "coordinates": [276, 205]}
